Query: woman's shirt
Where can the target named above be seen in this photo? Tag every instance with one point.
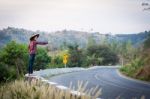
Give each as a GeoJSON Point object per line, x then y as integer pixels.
{"type": "Point", "coordinates": [32, 46]}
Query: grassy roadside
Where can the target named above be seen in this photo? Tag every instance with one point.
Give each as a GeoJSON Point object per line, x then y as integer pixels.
{"type": "Point", "coordinates": [21, 89]}
{"type": "Point", "coordinates": [141, 72]}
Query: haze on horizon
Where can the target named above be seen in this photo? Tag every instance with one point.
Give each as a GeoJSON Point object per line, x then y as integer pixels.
{"type": "Point", "coordinates": [104, 16]}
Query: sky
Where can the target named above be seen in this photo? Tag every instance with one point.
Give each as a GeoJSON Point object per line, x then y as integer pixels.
{"type": "Point", "coordinates": [104, 16]}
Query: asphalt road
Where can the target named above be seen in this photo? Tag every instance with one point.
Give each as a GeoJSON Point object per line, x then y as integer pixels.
{"type": "Point", "coordinates": [112, 83]}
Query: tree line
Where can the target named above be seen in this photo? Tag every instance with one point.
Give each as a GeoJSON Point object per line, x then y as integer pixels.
{"type": "Point", "coordinates": [14, 56]}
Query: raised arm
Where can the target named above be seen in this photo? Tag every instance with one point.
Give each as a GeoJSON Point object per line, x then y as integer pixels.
{"type": "Point", "coordinates": [41, 43]}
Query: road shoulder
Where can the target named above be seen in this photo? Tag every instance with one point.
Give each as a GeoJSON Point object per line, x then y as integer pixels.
{"type": "Point", "coordinates": [132, 79]}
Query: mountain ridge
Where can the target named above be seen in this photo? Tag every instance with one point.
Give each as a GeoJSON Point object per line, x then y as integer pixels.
{"type": "Point", "coordinates": [58, 38]}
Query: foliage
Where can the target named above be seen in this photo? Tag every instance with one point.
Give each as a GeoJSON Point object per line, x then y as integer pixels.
{"type": "Point", "coordinates": [42, 59]}
{"type": "Point", "coordinates": [56, 62]}
{"type": "Point", "coordinates": [59, 39]}
{"type": "Point", "coordinates": [147, 42]}
{"type": "Point", "coordinates": [14, 60]}
{"type": "Point", "coordinates": [91, 41]}
{"type": "Point", "coordinates": [93, 60]}
{"type": "Point", "coordinates": [146, 5]}
{"type": "Point", "coordinates": [76, 56]}
{"type": "Point", "coordinates": [131, 68]}
{"type": "Point", "coordinates": [101, 55]}
{"type": "Point", "coordinates": [7, 73]}
{"type": "Point", "coordinates": [139, 67]}
{"type": "Point", "coordinates": [57, 58]}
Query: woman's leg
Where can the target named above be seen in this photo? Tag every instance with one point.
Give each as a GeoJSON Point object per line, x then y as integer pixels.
{"type": "Point", "coordinates": [31, 61]}
{"type": "Point", "coordinates": [33, 58]}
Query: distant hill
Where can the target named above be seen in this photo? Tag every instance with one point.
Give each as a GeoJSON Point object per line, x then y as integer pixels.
{"type": "Point", "coordinates": [58, 38]}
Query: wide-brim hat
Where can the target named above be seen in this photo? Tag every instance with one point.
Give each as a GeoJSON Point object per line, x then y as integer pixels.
{"type": "Point", "coordinates": [34, 35]}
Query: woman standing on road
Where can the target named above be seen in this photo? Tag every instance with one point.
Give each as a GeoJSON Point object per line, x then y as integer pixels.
{"type": "Point", "coordinates": [32, 51]}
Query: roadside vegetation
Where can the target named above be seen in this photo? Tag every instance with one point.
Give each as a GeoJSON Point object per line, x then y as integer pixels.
{"type": "Point", "coordinates": [135, 61]}
{"type": "Point", "coordinates": [20, 89]}
{"type": "Point", "coordinates": [14, 61]}
{"type": "Point", "coordinates": [139, 65]}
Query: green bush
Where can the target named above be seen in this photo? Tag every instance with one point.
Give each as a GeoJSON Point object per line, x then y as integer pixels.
{"type": "Point", "coordinates": [41, 59]}
{"type": "Point", "coordinates": [132, 68]}
{"type": "Point", "coordinates": [14, 59]}
{"type": "Point", "coordinates": [7, 73]}
{"type": "Point", "coordinates": [93, 60]}
{"type": "Point", "coordinates": [147, 42]}
{"type": "Point", "coordinates": [101, 55]}
{"type": "Point", "coordinates": [57, 62]}
{"type": "Point", "coordinates": [76, 56]}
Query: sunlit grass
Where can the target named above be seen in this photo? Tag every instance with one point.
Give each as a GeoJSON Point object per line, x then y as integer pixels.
{"type": "Point", "coordinates": [20, 89]}
{"type": "Point", "coordinates": [82, 87]}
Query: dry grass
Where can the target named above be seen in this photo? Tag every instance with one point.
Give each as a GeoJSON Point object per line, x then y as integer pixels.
{"type": "Point", "coordinates": [37, 90]}
{"type": "Point", "coordinates": [82, 87]}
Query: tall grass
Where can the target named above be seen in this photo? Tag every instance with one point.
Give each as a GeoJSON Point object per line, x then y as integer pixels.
{"type": "Point", "coordinates": [20, 89]}
{"type": "Point", "coordinates": [91, 92]}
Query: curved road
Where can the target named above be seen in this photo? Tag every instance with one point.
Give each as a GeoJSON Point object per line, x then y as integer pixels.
{"type": "Point", "coordinates": [113, 85]}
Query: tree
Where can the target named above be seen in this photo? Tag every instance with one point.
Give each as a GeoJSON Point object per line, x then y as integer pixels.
{"type": "Point", "coordinates": [7, 72]}
{"type": "Point", "coordinates": [127, 52]}
{"type": "Point", "coordinates": [64, 46]}
{"type": "Point", "coordinates": [146, 5]}
{"type": "Point", "coordinates": [91, 41]}
{"type": "Point", "coordinates": [14, 56]}
{"type": "Point", "coordinates": [76, 57]}
{"type": "Point", "coordinates": [42, 59]}
{"type": "Point", "coordinates": [14, 60]}
{"type": "Point", "coordinates": [114, 46]}
{"type": "Point", "coordinates": [93, 60]}
{"type": "Point", "coordinates": [102, 55]}
{"type": "Point", "coordinates": [147, 42]}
